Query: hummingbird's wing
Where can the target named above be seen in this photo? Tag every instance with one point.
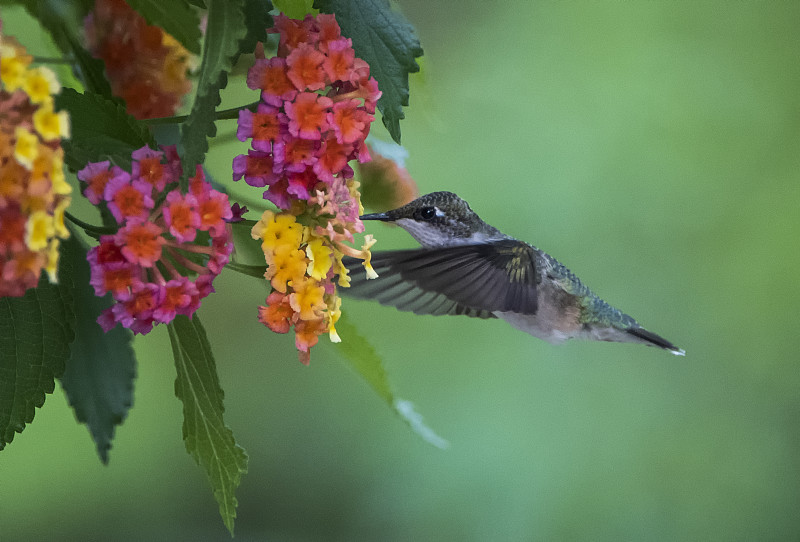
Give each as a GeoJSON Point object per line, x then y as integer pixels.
{"type": "Point", "coordinates": [475, 280]}
{"type": "Point", "coordinates": [390, 289]}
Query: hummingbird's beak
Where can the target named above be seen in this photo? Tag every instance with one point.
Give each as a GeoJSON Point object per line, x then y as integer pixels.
{"type": "Point", "coordinates": [376, 216]}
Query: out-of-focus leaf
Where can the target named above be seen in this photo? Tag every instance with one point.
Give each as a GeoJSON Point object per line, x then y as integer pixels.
{"type": "Point", "coordinates": [176, 17]}
{"type": "Point", "coordinates": [296, 9]}
{"type": "Point", "coordinates": [362, 358]}
{"type": "Point", "coordinates": [35, 333]}
{"type": "Point", "coordinates": [209, 441]}
{"type": "Point", "coordinates": [389, 44]}
{"type": "Point", "coordinates": [101, 130]}
{"type": "Point", "coordinates": [227, 27]}
{"type": "Point", "coordinates": [61, 18]}
{"type": "Point", "coordinates": [99, 376]}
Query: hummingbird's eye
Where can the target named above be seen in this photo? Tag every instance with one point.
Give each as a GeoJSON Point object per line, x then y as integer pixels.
{"type": "Point", "coordinates": [427, 213]}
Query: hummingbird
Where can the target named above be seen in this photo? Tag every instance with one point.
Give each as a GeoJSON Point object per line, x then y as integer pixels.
{"type": "Point", "coordinates": [468, 267]}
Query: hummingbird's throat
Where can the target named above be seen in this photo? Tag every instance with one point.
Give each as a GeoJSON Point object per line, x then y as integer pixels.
{"type": "Point", "coordinates": [439, 234]}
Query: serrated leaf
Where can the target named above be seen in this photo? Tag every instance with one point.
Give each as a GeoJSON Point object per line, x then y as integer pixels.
{"type": "Point", "coordinates": [101, 130]}
{"type": "Point", "coordinates": [90, 71]}
{"type": "Point", "coordinates": [209, 441]}
{"type": "Point", "coordinates": [258, 20]}
{"type": "Point", "coordinates": [177, 18]}
{"type": "Point", "coordinates": [99, 376]}
{"type": "Point", "coordinates": [388, 43]}
{"type": "Point", "coordinates": [226, 28]}
{"type": "Point", "coordinates": [295, 9]}
{"type": "Point", "coordinates": [35, 333]}
{"type": "Point", "coordinates": [364, 360]}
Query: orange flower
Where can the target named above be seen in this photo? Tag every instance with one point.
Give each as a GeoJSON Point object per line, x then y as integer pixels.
{"type": "Point", "coordinates": [33, 192]}
{"type": "Point", "coordinates": [145, 66]}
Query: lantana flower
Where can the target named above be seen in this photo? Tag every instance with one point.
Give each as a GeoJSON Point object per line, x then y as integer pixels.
{"type": "Point", "coordinates": [164, 237]}
{"type": "Point", "coordinates": [145, 66]}
{"type": "Point", "coordinates": [317, 104]}
{"type": "Point", "coordinates": [33, 191]}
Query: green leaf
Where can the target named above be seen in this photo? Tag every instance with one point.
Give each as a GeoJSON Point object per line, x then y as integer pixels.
{"type": "Point", "coordinates": [363, 359]}
{"type": "Point", "coordinates": [206, 436]}
{"type": "Point", "coordinates": [258, 20]}
{"type": "Point", "coordinates": [226, 28]}
{"type": "Point", "coordinates": [90, 71]}
{"type": "Point", "coordinates": [99, 376]}
{"type": "Point", "coordinates": [176, 17]}
{"type": "Point", "coordinates": [248, 250]}
{"type": "Point", "coordinates": [255, 271]}
{"type": "Point", "coordinates": [295, 9]}
{"type": "Point", "coordinates": [35, 333]}
{"type": "Point", "coordinates": [101, 130]}
{"type": "Point", "coordinates": [388, 43]}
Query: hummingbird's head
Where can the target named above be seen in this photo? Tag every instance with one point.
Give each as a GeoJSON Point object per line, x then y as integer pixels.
{"type": "Point", "coordinates": [439, 219]}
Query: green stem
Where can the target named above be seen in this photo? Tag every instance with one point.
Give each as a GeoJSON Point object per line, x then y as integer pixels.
{"type": "Point", "coordinates": [52, 60]}
{"type": "Point", "coordinates": [225, 114]}
{"type": "Point", "coordinates": [89, 228]}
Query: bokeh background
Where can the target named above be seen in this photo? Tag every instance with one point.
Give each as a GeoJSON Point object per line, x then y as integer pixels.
{"type": "Point", "coordinates": [654, 148]}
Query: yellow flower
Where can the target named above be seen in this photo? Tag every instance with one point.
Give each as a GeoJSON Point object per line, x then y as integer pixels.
{"type": "Point", "coordinates": [13, 67]}
{"type": "Point", "coordinates": [26, 149]}
{"type": "Point", "coordinates": [341, 270]}
{"type": "Point", "coordinates": [49, 124]}
{"type": "Point", "coordinates": [176, 63]}
{"type": "Point", "coordinates": [286, 265]}
{"type": "Point", "coordinates": [60, 184]}
{"type": "Point", "coordinates": [58, 218]}
{"type": "Point", "coordinates": [369, 240]}
{"type": "Point", "coordinates": [319, 255]}
{"type": "Point", "coordinates": [334, 313]}
{"type": "Point", "coordinates": [38, 230]}
{"type": "Point", "coordinates": [307, 299]}
{"type": "Point", "coordinates": [52, 260]}
{"type": "Point", "coordinates": [276, 230]}
{"type": "Point", "coordinates": [40, 84]}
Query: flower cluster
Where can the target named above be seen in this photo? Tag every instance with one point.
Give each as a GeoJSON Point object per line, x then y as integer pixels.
{"type": "Point", "coordinates": [163, 236]}
{"type": "Point", "coordinates": [145, 66]}
{"type": "Point", "coordinates": [317, 103]}
{"type": "Point", "coordinates": [33, 191]}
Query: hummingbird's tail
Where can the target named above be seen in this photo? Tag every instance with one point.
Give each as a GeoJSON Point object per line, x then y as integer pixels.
{"type": "Point", "coordinates": [655, 340]}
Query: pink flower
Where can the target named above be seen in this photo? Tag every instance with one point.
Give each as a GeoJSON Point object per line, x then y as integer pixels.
{"type": "Point", "coordinates": [147, 266]}
{"type": "Point", "coordinates": [128, 199]}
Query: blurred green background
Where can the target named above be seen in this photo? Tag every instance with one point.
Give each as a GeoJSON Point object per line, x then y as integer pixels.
{"type": "Point", "coordinates": [654, 148]}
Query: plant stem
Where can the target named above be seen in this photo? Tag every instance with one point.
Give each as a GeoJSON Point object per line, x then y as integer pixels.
{"type": "Point", "coordinates": [225, 114]}
{"type": "Point", "coordinates": [51, 60]}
